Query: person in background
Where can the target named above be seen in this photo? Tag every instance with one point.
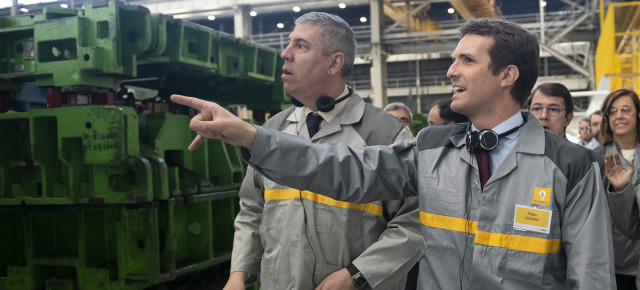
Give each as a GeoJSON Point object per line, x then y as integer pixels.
{"type": "Point", "coordinates": [594, 122]}
{"type": "Point", "coordinates": [586, 138]}
{"type": "Point", "coordinates": [620, 133]}
{"type": "Point", "coordinates": [400, 111]}
{"type": "Point", "coordinates": [441, 114]}
{"type": "Point", "coordinates": [294, 239]}
{"type": "Point", "coordinates": [552, 105]}
{"type": "Point", "coordinates": [503, 204]}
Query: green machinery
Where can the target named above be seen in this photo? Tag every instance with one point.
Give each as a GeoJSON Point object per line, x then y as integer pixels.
{"type": "Point", "coordinates": [94, 193]}
{"type": "Point", "coordinates": [100, 46]}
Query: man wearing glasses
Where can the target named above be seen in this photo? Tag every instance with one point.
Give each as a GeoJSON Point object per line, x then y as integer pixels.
{"type": "Point", "coordinates": [586, 138]}
{"type": "Point", "coordinates": [552, 105]}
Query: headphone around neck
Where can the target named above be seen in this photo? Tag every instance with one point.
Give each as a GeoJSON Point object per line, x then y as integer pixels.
{"type": "Point", "coordinates": [325, 103]}
{"type": "Point", "coordinates": [487, 139]}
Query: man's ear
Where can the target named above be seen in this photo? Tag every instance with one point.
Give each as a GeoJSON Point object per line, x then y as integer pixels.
{"type": "Point", "coordinates": [510, 75]}
{"type": "Point", "coordinates": [337, 61]}
{"type": "Point", "coordinates": [568, 119]}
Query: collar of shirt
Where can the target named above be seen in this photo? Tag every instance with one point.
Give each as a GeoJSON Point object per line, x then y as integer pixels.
{"type": "Point", "coordinates": [328, 116]}
{"type": "Point", "coordinates": [302, 112]}
{"type": "Point", "coordinates": [514, 121]}
{"type": "Point", "coordinates": [507, 143]}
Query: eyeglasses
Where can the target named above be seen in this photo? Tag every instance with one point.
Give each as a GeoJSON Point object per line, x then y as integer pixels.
{"type": "Point", "coordinates": [585, 128]}
{"type": "Point", "coordinates": [626, 110]}
{"type": "Point", "coordinates": [552, 111]}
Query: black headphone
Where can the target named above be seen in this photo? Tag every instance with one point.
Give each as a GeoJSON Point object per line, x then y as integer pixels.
{"type": "Point", "coordinates": [487, 139]}
{"type": "Point", "coordinates": [325, 103]}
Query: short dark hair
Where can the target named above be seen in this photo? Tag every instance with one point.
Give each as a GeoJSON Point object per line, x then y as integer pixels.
{"type": "Point", "coordinates": [605, 133]}
{"type": "Point", "coordinates": [512, 45]}
{"type": "Point", "coordinates": [447, 114]}
{"type": "Point", "coordinates": [554, 90]}
{"type": "Point", "coordinates": [598, 112]}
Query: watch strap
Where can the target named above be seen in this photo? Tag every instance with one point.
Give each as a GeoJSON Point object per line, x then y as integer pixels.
{"type": "Point", "coordinates": [351, 268]}
{"type": "Point", "coordinates": [359, 281]}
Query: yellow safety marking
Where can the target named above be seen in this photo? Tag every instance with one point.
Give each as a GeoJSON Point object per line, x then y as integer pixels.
{"type": "Point", "coordinates": [513, 242]}
{"type": "Point", "coordinates": [282, 194]}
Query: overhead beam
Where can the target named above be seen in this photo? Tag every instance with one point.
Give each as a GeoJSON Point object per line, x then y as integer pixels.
{"type": "Point", "coordinates": [475, 8]}
{"type": "Point", "coordinates": [462, 9]}
{"type": "Point", "coordinates": [573, 4]}
{"type": "Point", "coordinates": [404, 19]}
{"type": "Point", "coordinates": [569, 28]}
{"type": "Point", "coordinates": [198, 8]}
{"type": "Point", "coordinates": [572, 64]}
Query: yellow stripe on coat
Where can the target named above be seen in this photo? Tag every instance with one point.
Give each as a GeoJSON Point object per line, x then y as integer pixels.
{"type": "Point", "coordinates": [289, 193]}
{"type": "Point", "coordinates": [513, 242]}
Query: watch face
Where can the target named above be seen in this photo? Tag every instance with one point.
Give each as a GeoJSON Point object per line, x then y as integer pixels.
{"type": "Point", "coordinates": [359, 281]}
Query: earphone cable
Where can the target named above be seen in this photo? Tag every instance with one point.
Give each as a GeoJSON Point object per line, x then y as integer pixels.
{"type": "Point", "coordinates": [315, 258]}
{"type": "Point", "coordinates": [466, 235]}
{"type": "Point", "coordinates": [304, 210]}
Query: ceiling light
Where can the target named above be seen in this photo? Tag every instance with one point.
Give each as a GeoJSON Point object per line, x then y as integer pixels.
{"type": "Point", "coordinates": [211, 17]}
{"type": "Point", "coordinates": [543, 3]}
{"type": "Point", "coordinates": [64, 5]}
{"type": "Point", "coordinates": [280, 25]}
{"type": "Point", "coordinates": [31, 2]}
{"type": "Point", "coordinates": [253, 13]}
{"type": "Point", "coordinates": [451, 10]}
{"type": "Point", "coordinates": [296, 8]}
{"type": "Point", "coordinates": [24, 10]}
{"type": "Point", "coordinates": [363, 19]}
{"type": "Point", "coordinates": [342, 5]}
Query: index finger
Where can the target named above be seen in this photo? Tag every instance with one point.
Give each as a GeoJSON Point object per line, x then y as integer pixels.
{"type": "Point", "coordinates": [196, 142]}
{"type": "Point", "coordinates": [189, 101]}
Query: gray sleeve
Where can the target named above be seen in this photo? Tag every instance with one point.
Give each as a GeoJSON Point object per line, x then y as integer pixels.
{"type": "Point", "coordinates": [247, 246]}
{"type": "Point", "coordinates": [624, 211]}
{"type": "Point", "coordinates": [586, 234]}
{"type": "Point", "coordinates": [386, 262]}
{"type": "Point", "coordinates": [337, 171]}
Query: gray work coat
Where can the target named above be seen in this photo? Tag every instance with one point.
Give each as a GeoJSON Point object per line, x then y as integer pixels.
{"type": "Point", "coordinates": [541, 222]}
{"type": "Point", "coordinates": [624, 210]}
{"type": "Point", "coordinates": [294, 239]}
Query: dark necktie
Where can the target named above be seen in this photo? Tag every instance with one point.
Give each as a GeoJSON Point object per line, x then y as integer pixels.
{"type": "Point", "coordinates": [483, 166]}
{"type": "Point", "coordinates": [313, 123]}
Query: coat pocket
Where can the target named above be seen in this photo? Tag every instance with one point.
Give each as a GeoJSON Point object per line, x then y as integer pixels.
{"type": "Point", "coordinates": [440, 225]}
{"type": "Point", "coordinates": [537, 267]}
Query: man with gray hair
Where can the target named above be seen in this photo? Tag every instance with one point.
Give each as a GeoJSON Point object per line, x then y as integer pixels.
{"type": "Point", "coordinates": [503, 204]}
{"type": "Point", "coordinates": [400, 111]}
{"type": "Point", "coordinates": [297, 239]}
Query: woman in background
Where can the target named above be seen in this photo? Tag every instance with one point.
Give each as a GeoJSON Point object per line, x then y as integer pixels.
{"type": "Point", "coordinates": [619, 136]}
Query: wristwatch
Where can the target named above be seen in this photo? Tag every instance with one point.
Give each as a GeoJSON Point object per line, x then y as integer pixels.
{"type": "Point", "coordinates": [358, 280]}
